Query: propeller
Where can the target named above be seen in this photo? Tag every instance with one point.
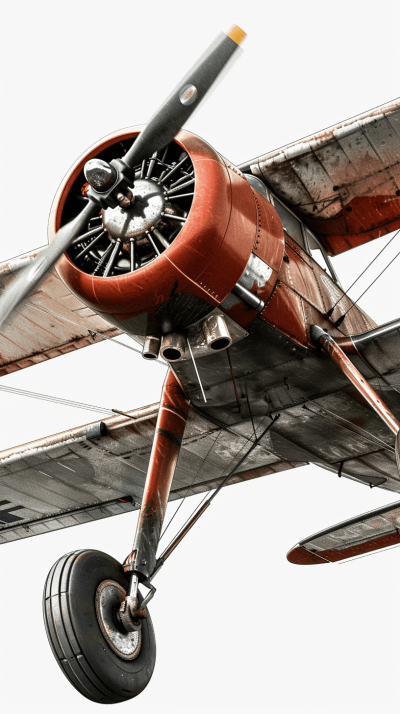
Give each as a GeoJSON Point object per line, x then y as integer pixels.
{"type": "Point", "coordinates": [158, 133]}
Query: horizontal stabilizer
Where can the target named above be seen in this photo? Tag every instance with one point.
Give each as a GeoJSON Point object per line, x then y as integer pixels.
{"type": "Point", "coordinates": [371, 531]}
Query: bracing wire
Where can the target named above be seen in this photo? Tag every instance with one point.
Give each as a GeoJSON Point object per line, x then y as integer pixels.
{"type": "Point", "coordinates": [57, 400]}
{"type": "Point", "coordinates": [365, 270]}
{"type": "Point", "coordinates": [210, 449]}
{"type": "Point", "coordinates": [190, 486]}
{"type": "Point", "coordinates": [341, 318]}
{"type": "Point", "coordinates": [377, 552]}
{"type": "Point", "coordinates": [232, 471]}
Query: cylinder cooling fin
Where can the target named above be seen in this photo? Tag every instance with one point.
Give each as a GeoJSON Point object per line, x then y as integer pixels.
{"type": "Point", "coordinates": [126, 238]}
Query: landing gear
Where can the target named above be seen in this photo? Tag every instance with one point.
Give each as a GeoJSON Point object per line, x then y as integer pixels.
{"type": "Point", "coordinates": [81, 602]}
{"type": "Point", "coordinates": [96, 619]}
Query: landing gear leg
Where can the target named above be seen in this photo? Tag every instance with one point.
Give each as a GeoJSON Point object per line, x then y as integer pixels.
{"type": "Point", "coordinates": [171, 424]}
{"type": "Point", "coordinates": [96, 620]}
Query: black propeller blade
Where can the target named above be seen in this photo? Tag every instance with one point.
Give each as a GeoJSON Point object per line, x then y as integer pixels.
{"type": "Point", "coordinates": [159, 132]}
{"type": "Point", "coordinates": [186, 97]}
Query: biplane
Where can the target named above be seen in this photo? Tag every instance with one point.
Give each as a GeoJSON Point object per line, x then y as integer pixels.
{"type": "Point", "coordinates": [224, 273]}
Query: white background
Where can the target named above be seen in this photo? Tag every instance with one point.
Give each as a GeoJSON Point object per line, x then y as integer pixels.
{"type": "Point", "coordinates": [238, 628]}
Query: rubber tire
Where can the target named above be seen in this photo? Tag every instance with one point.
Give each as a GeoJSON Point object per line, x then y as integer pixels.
{"type": "Point", "coordinates": [75, 636]}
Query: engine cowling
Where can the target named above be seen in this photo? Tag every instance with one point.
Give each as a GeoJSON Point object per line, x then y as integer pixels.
{"type": "Point", "coordinates": [190, 251]}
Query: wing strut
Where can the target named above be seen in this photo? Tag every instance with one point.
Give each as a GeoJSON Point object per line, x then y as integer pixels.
{"type": "Point", "coordinates": [332, 349]}
{"type": "Point", "coordinates": [141, 563]}
{"type": "Point", "coordinates": [199, 512]}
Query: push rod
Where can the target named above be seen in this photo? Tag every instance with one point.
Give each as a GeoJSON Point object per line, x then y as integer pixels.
{"type": "Point", "coordinates": [167, 552]}
{"type": "Point", "coordinates": [332, 349]}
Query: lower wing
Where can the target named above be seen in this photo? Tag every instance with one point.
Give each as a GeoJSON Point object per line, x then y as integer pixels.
{"type": "Point", "coordinates": [99, 470]}
{"type": "Point", "coordinates": [371, 531]}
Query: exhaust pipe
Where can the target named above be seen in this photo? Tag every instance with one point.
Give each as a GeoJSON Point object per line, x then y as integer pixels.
{"type": "Point", "coordinates": [216, 333]}
{"type": "Point", "coordinates": [173, 346]}
{"type": "Point", "coordinates": [151, 347]}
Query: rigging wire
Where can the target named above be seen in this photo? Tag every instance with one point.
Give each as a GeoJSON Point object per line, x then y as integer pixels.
{"type": "Point", "coordinates": [208, 453]}
{"type": "Point", "coordinates": [378, 276]}
{"type": "Point", "coordinates": [226, 478]}
{"type": "Point", "coordinates": [378, 552]}
{"type": "Point", "coordinates": [341, 318]}
{"type": "Point", "coordinates": [213, 444]}
{"type": "Point", "coordinates": [187, 521]}
{"type": "Point", "coordinates": [364, 271]}
{"type": "Point", "coordinates": [57, 400]}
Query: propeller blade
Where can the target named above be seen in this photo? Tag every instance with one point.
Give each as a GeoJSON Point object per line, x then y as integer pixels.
{"type": "Point", "coordinates": [186, 97]}
{"type": "Point", "coordinates": [159, 132]}
{"type": "Point", "coordinates": [33, 274]}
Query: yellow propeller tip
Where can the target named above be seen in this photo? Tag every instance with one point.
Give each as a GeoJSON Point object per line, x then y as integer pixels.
{"type": "Point", "coordinates": [236, 34]}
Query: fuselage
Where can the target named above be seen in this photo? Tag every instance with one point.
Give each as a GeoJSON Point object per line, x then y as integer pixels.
{"type": "Point", "coordinates": [239, 253]}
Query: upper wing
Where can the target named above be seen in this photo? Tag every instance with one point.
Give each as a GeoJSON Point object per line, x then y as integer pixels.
{"type": "Point", "coordinates": [371, 531]}
{"type": "Point", "coordinates": [343, 181]}
{"type": "Point", "coordinates": [97, 471]}
{"type": "Point", "coordinates": [50, 323]}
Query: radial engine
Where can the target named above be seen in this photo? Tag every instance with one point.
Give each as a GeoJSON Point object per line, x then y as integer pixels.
{"type": "Point", "coordinates": [192, 246]}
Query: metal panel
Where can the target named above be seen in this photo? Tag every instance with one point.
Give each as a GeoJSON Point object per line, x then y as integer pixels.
{"type": "Point", "coordinates": [65, 520]}
{"type": "Point", "coordinates": [363, 534]}
{"type": "Point", "coordinates": [50, 323]}
{"type": "Point", "coordinates": [344, 181]}
{"type": "Point", "coordinates": [323, 419]}
{"type": "Point", "coordinates": [56, 482]}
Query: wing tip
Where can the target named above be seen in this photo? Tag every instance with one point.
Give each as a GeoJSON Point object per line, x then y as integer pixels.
{"type": "Point", "coordinates": [300, 556]}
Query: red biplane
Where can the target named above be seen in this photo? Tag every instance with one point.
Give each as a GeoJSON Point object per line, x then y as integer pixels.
{"type": "Point", "coordinates": [223, 272]}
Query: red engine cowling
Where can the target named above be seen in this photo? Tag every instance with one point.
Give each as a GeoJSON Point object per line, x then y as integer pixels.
{"type": "Point", "coordinates": [227, 222]}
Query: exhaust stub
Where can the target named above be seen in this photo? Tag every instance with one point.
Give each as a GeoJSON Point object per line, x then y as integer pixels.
{"type": "Point", "coordinates": [173, 346]}
{"type": "Point", "coordinates": [216, 333]}
{"type": "Point", "coordinates": [151, 347]}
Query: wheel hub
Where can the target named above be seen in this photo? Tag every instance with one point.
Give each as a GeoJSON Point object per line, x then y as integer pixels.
{"type": "Point", "coordinates": [109, 596]}
{"type": "Point", "coordinates": [142, 216]}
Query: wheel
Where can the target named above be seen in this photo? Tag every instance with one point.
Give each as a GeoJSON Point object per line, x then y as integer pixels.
{"type": "Point", "coordinates": [82, 593]}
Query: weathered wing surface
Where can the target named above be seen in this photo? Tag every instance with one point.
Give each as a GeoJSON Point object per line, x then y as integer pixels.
{"type": "Point", "coordinates": [364, 534]}
{"type": "Point", "coordinates": [79, 476]}
{"type": "Point", "coordinates": [51, 322]}
{"type": "Point", "coordinates": [323, 418]}
{"type": "Point", "coordinates": [344, 181]}
{"type": "Point", "coordinates": [342, 430]}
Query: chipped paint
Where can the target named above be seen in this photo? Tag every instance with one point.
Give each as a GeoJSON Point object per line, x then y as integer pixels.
{"type": "Point", "coordinates": [344, 181]}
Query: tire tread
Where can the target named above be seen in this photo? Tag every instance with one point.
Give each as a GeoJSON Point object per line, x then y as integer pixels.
{"type": "Point", "coordinates": [64, 640]}
{"type": "Point", "coordinates": [61, 635]}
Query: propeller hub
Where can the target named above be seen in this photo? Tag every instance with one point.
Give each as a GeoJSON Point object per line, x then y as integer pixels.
{"type": "Point", "coordinates": [142, 216]}
{"type": "Point", "coordinates": [100, 175]}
